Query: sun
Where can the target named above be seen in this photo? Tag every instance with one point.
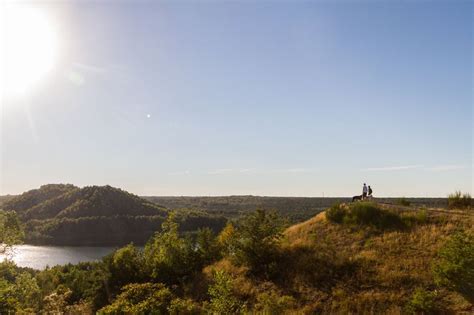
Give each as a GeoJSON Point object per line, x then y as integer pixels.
{"type": "Point", "coordinates": [28, 48]}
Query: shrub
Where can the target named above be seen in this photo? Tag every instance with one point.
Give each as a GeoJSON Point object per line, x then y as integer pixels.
{"type": "Point", "coordinates": [414, 218]}
{"type": "Point", "coordinates": [368, 213]}
{"type": "Point", "coordinates": [223, 300]}
{"type": "Point", "coordinates": [454, 267]}
{"type": "Point", "coordinates": [272, 303]}
{"type": "Point", "coordinates": [459, 200]}
{"type": "Point", "coordinates": [336, 213]}
{"type": "Point", "coordinates": [403, 202]}
{"type": "Point", "coordinates": [422, 302]}
{"type": "Point", "coordinates": [184, 307]}
{"type": "Point", "coordinates": [143, 298]}
{"type": "Point", "coordinates": [364, 214]}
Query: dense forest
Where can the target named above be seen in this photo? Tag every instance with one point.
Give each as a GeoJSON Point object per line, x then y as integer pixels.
{"type": "Point", "coordinates": [352, 258]}
{"type": "Point", "coordinates": [59, 214]}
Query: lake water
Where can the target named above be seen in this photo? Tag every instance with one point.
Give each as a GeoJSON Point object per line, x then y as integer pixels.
{"type": "Point", "coordinates": [38, 257]}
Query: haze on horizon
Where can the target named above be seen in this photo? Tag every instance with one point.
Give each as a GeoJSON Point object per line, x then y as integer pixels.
{"type": "Point", "coordinates": [235, 98]}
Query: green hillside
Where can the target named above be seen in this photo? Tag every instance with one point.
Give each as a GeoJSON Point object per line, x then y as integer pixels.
{"type": "Point", "coordinates": [35, 197]}
{"type": "Point", "coordinates": [95, 215]}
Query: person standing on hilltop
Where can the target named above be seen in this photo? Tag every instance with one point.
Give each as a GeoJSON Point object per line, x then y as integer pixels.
{"type": "Point", "coordinates": [364, 192]}
{"type": "Point", "coordinates": [370, 192]}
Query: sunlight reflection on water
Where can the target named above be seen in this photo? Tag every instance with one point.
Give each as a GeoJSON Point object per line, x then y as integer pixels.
{"type": "Point", "coordinates": [38, 257]}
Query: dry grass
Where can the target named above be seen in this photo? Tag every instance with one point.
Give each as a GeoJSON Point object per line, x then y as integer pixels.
{"type": "Point", "coordinates": [390, 265]}
{"type": "Point", "coordinates": [333, 268]}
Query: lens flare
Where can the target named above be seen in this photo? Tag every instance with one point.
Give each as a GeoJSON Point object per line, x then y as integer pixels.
{"type": "Point", "coordinates": [28, 45]}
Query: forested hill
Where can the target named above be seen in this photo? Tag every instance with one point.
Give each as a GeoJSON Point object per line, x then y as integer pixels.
{"type": "Point", "coordinates": [96, 215]}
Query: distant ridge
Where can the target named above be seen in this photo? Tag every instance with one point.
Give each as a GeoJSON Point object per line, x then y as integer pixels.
{"type": "Point", "coordinates": [33, 197]}
{"type": "Point", "coordinates": [63, 214]}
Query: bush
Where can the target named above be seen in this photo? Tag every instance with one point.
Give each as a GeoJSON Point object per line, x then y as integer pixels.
{"type": "Point", "coordinates": [403, 202]}
{"type": "Point", "coordinates": [459, 200]}
{"type": "Point", "coordinates": [422, 302]}
{"type": "Point", "coordinates": [272, 303]}
{"type": "Point", "coordinates": [364, 214]}
{"type": "Point", "coordinates": [336, 213]}
{"type": "Point", "coordinates": [454, 268]}
{"type": "Point", "coordinates": [223, 300]}
{"type": "Point", "coordinates": [143, 298]}
{"type": "Point", "coordinates": [184, 307]}
{"type": "Point", "coordinates": [414, 218]}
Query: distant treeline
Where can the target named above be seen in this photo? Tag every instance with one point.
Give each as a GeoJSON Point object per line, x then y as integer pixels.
{"type": "Point", "coordinates": [296, 209]}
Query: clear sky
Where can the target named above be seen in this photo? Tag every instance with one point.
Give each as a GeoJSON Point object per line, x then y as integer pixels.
{"type": "Point", "coordinates": [285, 98]}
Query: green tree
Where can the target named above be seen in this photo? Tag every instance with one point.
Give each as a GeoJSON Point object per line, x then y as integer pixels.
{"type": "Point", "coordinates": [207, 247]}
{"type": "Point", "coordinates": [56, 303]}
{"type": "Point", "coordinates": [8, 299]}
{"type": "Point", "coordinates": [257, 242]}
{"type": "Point", "coordinates": [168, 257]}
{"type": "Point", "coordinates": [125, 266]}
{"type": "Point", "coordinates": [10, 230]}
{"type": "Point", "coordinates": [27, 291]}
{"type": "Point", "coordinates": [223, 300]}
{"type": "Point", "coordinates": [454, 268]}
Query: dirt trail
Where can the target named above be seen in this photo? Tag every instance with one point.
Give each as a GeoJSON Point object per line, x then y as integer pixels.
{"type": "Point", "coordinates": [415, 208]}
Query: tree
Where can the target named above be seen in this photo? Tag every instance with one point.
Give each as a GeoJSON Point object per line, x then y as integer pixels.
{"type": "Point", "coordinates": [257, 239]}
{"type": "Point", "coordinates": [207, 247]}
{"type": "Point", "coordinates": [125, 266]}
{"type": "Point", "coordinates": [10, 230]}
{"type": "Point", "coordinates": [223, 300]}
{"type": "Point", "coordinates": [226, 239]}
{"type": "Point", "coordinates": [8, 300]}
{"type": "Point", "coordinates": [169, 258]}
{"type": "Point", "coordinates": [455, 265]}
{"type": "Point", "coordinates": [27, 291]}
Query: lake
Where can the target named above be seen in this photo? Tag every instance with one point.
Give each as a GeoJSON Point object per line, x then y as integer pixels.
{"type": "Point", "coordinates": [38, 257]}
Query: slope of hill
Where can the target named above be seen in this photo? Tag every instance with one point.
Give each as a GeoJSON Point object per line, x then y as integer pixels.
{"type": "Point", "coordinates": [6, 198]}
{"type": "Point", "coordinates": [36, 196]}
{"type": "Point", "coordinates": [96, 215]}
{"type": "Point", "coordinates": [332, 268]}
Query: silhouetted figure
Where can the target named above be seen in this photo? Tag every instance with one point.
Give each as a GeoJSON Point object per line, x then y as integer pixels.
{"type": "Point", "coordinates": [370, 192]}
{"type": "Point", "coordinates": [364, 192]}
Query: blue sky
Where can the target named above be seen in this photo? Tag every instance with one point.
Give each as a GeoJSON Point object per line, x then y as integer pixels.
{"type": "Point", "coordinates": [265, 98]}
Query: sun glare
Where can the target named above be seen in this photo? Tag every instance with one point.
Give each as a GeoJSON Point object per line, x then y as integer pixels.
{"type": "Point", "coordinates": [28, 45]}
